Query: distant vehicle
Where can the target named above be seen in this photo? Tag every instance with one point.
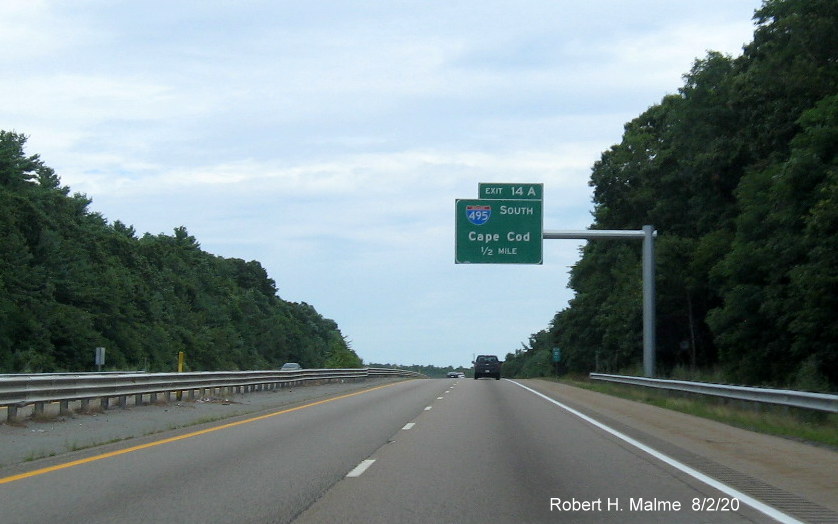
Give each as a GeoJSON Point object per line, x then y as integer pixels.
{"type": "Point", "coordinates": [453, 374]}
{"type": "Point", "coordinates": [461, 374]}
{"type": "Point", "coordinates": [290, 366]}
{"type": "Point", "coordinates": [487, 366]}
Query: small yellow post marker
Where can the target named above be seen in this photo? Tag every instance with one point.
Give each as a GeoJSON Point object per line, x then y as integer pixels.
{"type": "Point", "coordinates": [180, 358]}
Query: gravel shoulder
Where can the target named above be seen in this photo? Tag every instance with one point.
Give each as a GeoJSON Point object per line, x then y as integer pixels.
{"type": "Point", "coordinates": [780, 468]}
{"type": "Point", "coordinates": [54, 435]}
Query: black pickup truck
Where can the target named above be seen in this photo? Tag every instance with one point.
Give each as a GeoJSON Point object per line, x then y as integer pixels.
{"type": "Point", "coordinates": [487, 366]}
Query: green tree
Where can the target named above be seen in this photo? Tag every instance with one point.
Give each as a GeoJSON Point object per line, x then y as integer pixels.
{"type": "Point", "coordinates": [69, 282]}
{"type": "Point", "coordinates": [340, 355]}
{"type": "Point", "coordinates": [737, 173]}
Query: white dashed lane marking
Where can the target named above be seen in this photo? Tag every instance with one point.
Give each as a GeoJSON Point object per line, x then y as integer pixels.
{"type": "Point", "coordinates": [360, 468]}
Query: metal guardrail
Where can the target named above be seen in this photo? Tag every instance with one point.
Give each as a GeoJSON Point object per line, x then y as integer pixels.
{"type": "Point", "coordinates": [783, 397]}
{"type": "Point", "coordinates": [68, 373]}
{"type": "Point", "coordinates": [17, 391]}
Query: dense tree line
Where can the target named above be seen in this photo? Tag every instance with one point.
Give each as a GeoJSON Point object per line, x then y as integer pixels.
{"type": "Point", "coordinates": [737, 172]}
{"type": "Point", "coordinates": [70, 281]}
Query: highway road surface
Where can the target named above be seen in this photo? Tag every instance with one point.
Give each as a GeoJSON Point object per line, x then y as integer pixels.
{"type": "Point", "coordinates": [413, 451]}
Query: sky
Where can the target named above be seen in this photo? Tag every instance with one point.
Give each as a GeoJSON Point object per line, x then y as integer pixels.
{"type": "Point", "coordinates": [329, 140]}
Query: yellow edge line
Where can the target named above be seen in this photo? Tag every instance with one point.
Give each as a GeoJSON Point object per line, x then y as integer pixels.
{"type": "Point", "coordinates": [79, 462]}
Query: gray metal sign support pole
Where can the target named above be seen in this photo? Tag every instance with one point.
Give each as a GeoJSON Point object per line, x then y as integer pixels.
{"type": "Point", "coordinates": [649, 301]}
{"type": "Point", "coordinates": [647, 234]}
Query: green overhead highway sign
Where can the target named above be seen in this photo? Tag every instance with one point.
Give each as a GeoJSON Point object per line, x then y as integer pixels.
{"type": "Point", "coordinates": [498, 231]}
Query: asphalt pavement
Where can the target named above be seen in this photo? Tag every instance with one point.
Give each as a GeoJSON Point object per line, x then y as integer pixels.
{"type": "Point", "coordinates": [54, 435]}
{"type": "Point", "coordinates": [454, 450]}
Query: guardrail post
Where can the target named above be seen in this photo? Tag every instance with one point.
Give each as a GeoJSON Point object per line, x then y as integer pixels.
{"type": "Point", "coordinates": [11, 414]}
{"type": "Point", "coordinates": [38, 410]}
{"type": "Point", "coordinates": [64, 408]}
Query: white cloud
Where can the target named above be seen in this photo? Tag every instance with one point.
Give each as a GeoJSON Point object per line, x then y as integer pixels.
{"type": "Point", "coordinates": [662, 57]}
{"type": "Point", "coordinates": [362, 175]}
{"type": "Point", "coordinates": [28, 29]}
{"type": "Point", "coordinates": [87, 98]}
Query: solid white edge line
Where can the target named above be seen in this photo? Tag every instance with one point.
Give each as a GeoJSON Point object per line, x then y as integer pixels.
{"type": "Point", "coordinates": [360, 468]}
{"type": "Point", "coordinates": [724, 488]}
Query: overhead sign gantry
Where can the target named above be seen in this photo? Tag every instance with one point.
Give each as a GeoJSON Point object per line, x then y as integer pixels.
{"type": "Point", "coordinates": [505, 226]}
